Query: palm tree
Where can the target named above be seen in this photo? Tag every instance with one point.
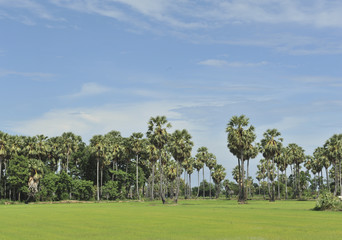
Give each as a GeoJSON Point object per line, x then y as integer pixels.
{"type": "Point", "coordinates": [202, 156]}
{"type": "Point", "coordinates": [153, 158]}
{"type": "Point", "coordinates": [210, 164]}
{"type": "Point", "coordinates": [181, 146]}
{"type": "Point", "coordinates": [218, 176]}
{"type": "Point", "coordinates": [240, 139]}
{"type": "Point", "coordinates": [68, 143]}
{"type": "Point", "coordinates": [36, 168]}
{"type": "Point", "coordinates": [158, 136]}
{"type": "Point", "coordinates": [137, 148]}
{"type": "Point", "coordinates": [3, 151]}
{"type": "Point", "coordinates": [334, 147]}
{"type": "Point", "coordinates": [98, 145]}
{"type": "Point", "coordinates": [296, 157]}
{"type": "Point", "coordinates": [283, 162]}
{"type": "Point", "coordinates": [198, 165]}
{"type": "Point", "coordinates": [321, 155]}
{"type": "Point", "coordinates": [189, 168]}
{"type": "Point", "coordinates": [270, 148]}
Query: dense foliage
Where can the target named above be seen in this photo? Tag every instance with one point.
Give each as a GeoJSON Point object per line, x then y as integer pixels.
{"type": "Point", "coordinates": [160, 165]}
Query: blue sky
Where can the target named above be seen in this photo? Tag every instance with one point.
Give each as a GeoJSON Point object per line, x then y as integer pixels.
{"type": "Point", "coordinates": [91, 66]}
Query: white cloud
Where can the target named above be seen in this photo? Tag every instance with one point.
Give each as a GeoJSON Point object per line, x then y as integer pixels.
{"type": "Point", "coordinates": [223, 63]}
{"type": "Point", "coordinates": [89, 89]}
{"type": "Point", "coordinates": [100, 120]}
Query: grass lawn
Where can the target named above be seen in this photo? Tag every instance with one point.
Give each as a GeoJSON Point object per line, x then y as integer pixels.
{"type": "Point", "coordinates": [190, 219]}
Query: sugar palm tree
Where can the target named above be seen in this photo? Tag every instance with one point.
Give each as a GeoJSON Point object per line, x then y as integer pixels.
{"type": "Point", "coordinates": [180, 147]}
{"type": "Point", "coordinates": [296, 156]}
{"type": "Point", "coordinates": [98, 145]}
{"type": "Point", "coordinates": [320, 154]}
{"type": "Point", "coordinates": [3, 150]}
{"type": "Point", "coordinates": [218, 176]}
{"type": "Point", "coordinates": [240, 139]}
{"type": "Point", "coordinates": [153, 156]}
{"type": "Point", "coordinates": [198, 165]}
{"type": "Point", "coordinates": [210, 164]}
{"type": "Point", "coordinates": [68, 144]}
{"type": "Point", "coordinates": [202, 156]}
{"type": "Point", "coordinates": [137, 148]}
{"type": "Point", "coordinates": [158, 136]}
{"type": "Point", "coordinates": [334, 147]}
{"type": "Point", "coordinates": [270, 148]}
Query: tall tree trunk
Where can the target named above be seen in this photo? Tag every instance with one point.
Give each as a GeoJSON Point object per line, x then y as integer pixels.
{"type": "Point", "coordinates": [336, 178]}
{"type": "Point", "coordinates": [340, 177]}
{"type": "Point", "coordinates": [198, 190]}
{"type": "Point", "coordinates": [209, 183]}
{"type": "Point", "coordinates": [248, 185]}
{"type": "Point", "coordinates": [239, 183]}
{"type": "Point", "coordinates": [67, 166]}
{"type": "Point", "coordinates": [161, 181]}
{"type": "Point", "coordinates": [298, 182]}
{"type": "Point", "coordinates": [269, 180]}
{"type": "Point", "coordinates": [97, 179]}
{"type": "Point", "coordinates": [137, 177]}
{"type": "Point", "coordinates": [190, 186]}
{"type": "Point", "coordinates": [101, 180]}
{"type": "Point", "coordinates": [152, 188]}
{"type": "Point", "coordinates": [286, 196]}
{"type": "Point", "coordinates": [273, 185]}
{"type": "Point", "coordinates": [203, 184]}
{"type": "Point", "coordinates": [242, 196]}
{"type": "Point", "coordinates": [178, 182]}
{"type": "Point", "coordinates": [185, 185]}
{"type": "Point", "coordinates": [327, 175]}
{"type": "Point", "coordinates": [278, 184]}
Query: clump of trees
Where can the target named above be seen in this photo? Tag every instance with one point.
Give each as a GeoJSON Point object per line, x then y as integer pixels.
{"type": "Point", "coordinates": [39, 168]}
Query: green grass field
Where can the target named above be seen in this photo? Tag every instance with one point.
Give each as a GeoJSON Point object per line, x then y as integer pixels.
{"type": "Point", "coordinates": [190, 219]}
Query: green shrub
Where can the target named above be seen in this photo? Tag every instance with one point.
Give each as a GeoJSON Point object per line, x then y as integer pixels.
{"type": "Point", "coordinates": [327, 201]}
{"type": "Point", "coordinates": [110, 190]}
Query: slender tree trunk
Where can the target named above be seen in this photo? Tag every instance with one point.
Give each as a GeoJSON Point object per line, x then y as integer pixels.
{"type": "Point", "coordinates": [278, 184]}
{"type": "Point", "coordinates": [336, 178]}
{"type": "Point", "coordinates": [203, 184]}
{"type": "Point", "coordinates": [101, 180]}
{"type": "Point", "coordinates": [152, 188]}
{"type": "Point", "coordinates": [273, 185]}
{"type": "Point", "coordinates": [242, 196]}
{"type": "Point", "coordinates": [198, 190]}
{"type": "Point", "coordinates": [185, 185]}
{"type": "Point", "coordinates": [97, 179]}
{"type": "Point", "coordinates": [161, 181]}
{"type": "Point", "coordinates": [298, 182]}
{"type": "Point", "coordinates": [248, 185]}
{"type": "Point", "coordinates": [67, 166]}
{"type": "Point", "coordinates": [178, 182]}
{"type": "Point", "coordinates": [137, 177]}
{"type": "Point", "coordinates": [269, 180]}
{"type": "Point", "coordinates": [190, 186]}
{"type": "Point", "coordinates": [239, 167]}
{"type": "Point", "coordinates": [327, 175]}
{"type": "Point", "coordinates": [209, 183]}
{"type": "Point", "coordinates": [340, 177]}
{"type": "Point", "coordinates": [286, 196]}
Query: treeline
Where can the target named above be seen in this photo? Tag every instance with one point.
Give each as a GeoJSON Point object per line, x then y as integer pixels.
{"type": "Point", "coordinates": [110, 167]}
{"type": "Point", "coordinates": [277, 159]}
{"type": "Point", "coordinates": [159, 165]}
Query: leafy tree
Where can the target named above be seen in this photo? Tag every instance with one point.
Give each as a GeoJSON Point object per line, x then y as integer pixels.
{"type": "Point", "coordinates": [218, 175]}
{"type": "Point", "coordinates": [181, 146]}
{"type": "Point", "coordinates": [18, 171]}
{"type": "Point", "coordinates": [270, 148]}
{"type": "Point", "coordinates": [240, 139]}
{"type": "Point", "coordinates": [158, 136]}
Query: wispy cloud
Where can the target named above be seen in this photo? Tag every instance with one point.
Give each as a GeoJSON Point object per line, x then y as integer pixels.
{"type": "Point", "coordinates": [36, 76]}
{"type": "Point", "coordinates": [89, 89]}
{"type": "Point", "coordinates": [223, 63]}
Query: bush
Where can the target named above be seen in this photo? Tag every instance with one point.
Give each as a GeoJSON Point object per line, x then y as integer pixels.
{"type": "Point", "coordinates": [327, 201]}
{"type": "Point", "coordinates": [82, 189]}
{"type": "Point", "coordinates": [110, 190]}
